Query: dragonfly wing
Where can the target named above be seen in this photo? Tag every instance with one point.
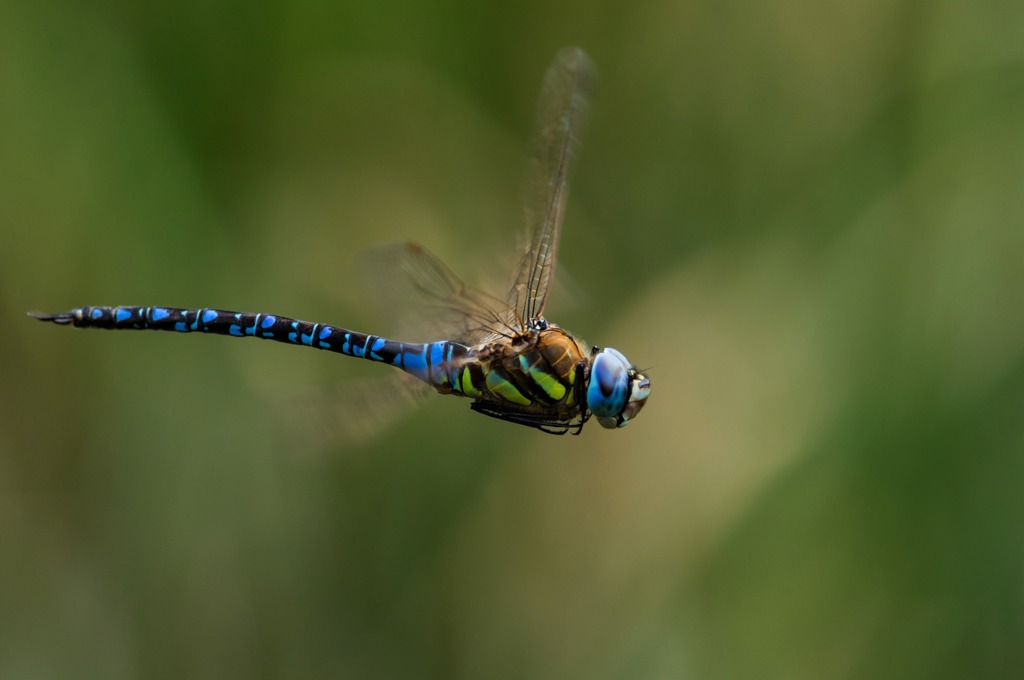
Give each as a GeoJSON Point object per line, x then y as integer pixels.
{"type": "Point", "coordinates": [560, 116]}
{"type": "Point", "coordinates": [432, 298]}
{"type": "Point", "coordinates": [349, 413]}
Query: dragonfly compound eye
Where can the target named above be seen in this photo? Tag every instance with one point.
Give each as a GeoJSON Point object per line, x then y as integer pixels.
{"type": "Point", "coordinates": [616, 391]}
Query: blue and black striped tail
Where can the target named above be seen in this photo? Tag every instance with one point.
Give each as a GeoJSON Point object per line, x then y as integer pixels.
{"type": "Point", "coordinates": [218, 322]}
{"type": "Point", "coordinates": [433, 362]}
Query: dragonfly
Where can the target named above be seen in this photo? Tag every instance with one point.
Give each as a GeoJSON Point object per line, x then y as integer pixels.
{"type": "Point", "coordinates": [502, 354]}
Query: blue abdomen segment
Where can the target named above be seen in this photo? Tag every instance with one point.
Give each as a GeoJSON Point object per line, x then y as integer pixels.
{"type": "Point", "coordinates": [440, 364]}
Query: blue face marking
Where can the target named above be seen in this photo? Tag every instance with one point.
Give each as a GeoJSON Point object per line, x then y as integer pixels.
{"type": "Point", "coordinates": [209, 315]}
{"type": "Point", "coordinates": [160, 314]}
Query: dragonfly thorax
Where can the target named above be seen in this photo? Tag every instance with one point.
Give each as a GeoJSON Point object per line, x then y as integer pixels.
{"type": "Point", "coordinates": [616, 391]}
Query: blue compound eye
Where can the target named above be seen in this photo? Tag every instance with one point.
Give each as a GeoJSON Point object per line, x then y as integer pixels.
{"type": "Point", "coordinates": [609, 384]}
{"type": "Point", "coordinates": [616, 392]}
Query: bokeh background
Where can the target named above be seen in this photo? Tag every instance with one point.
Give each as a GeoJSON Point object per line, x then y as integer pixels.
{"type": "Point", "coordinates": [805, 218]}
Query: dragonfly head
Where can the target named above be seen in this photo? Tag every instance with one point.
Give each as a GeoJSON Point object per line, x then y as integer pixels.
{"type": "Point", "coordinates": [617, 391]}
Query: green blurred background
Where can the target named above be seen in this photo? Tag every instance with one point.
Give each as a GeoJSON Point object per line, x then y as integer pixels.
{"type": "Point", "coordinates": [805, 218]}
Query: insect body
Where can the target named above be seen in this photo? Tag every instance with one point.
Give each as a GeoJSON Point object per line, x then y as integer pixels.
{"type": "Point", "coordinates": [503, 355]}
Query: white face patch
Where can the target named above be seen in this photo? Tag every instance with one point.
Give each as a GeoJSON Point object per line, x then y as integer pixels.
{"type": "Point", "coordinates": [639, 390]}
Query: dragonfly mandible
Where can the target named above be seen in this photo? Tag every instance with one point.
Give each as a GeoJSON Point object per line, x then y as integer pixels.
{"type": "Point", "coordinates": [502, 354]}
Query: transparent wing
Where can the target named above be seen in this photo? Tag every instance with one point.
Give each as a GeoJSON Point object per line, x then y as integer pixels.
{"type": "Point", "coordinates": [431, 300]}
{"type": "Point", "coordinates": [352, 412]}
{"type": "Point", "coordinates": [559, 119]}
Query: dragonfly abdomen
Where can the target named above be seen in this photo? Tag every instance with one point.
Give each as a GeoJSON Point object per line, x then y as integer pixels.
{"type": "Point", "coordinates": [443, 364]}
{"type": "Point", "coordinates": [217, 322]}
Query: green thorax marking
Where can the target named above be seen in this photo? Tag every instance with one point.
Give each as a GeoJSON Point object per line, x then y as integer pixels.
{"type": "Point", "coordinates": [537, 369]}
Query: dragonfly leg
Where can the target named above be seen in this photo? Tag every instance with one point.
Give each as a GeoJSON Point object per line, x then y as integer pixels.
{"type": "Point", "coordinates": [539, 421]}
